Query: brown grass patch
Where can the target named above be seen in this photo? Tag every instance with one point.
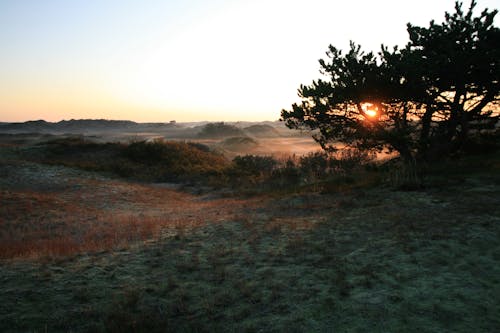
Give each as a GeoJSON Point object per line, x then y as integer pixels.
{"type": "Point", "coordinates": [101, 216]}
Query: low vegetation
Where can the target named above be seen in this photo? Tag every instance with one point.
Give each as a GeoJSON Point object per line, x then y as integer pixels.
{"type": "Point", "coordinates": [153, 161]}
{"type": "Point", "coordinates": [83, 252]}
{"type": "Point", "coordinates": [194, 163]}
{"type": "Point", "coordinates": [220, 130]}
{"type": "Point", "coordinates": [163, 236]}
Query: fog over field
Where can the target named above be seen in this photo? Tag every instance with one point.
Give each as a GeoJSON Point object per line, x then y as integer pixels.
{"type": "Point", "coordinates": [104, 229]}
{"type": "Point", "coordinates": [231, 139]}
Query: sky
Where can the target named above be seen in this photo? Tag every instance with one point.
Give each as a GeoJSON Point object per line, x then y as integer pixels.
{"type": "Point", "coordinates": [183, 60]}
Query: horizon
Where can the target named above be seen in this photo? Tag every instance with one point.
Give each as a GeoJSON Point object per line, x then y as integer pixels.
{"type": "Point", "coordinates": [140, 122]}
{"type": "Point", "coordinates": [182, 60]}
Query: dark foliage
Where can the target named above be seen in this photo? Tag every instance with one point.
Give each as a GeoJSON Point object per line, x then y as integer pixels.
{"type": "Point", "coordinates": [220, 130]}
{"type": "Point", "coordinates": [156, 160]}
{"type": "Point", "coordinates": [254, 165]}
{"type": "Point", "coordinates": [425, 101]}
{"type": "Point", "coordinates": [170, 160]}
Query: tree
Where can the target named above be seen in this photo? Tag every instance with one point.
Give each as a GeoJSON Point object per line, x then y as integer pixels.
{"type": "Point", "coordinates": [423, 101]}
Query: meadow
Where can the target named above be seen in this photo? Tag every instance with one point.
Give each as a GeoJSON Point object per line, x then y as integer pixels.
{"type": "Point", "coordinates": [180, 236]}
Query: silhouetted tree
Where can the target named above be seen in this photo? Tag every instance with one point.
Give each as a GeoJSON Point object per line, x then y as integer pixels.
{"type": "Point", "coordinates": [424, 100]}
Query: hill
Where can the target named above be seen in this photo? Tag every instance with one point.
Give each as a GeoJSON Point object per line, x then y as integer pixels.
{"type": "Point", "coordinates": [261, 130]}
{"type": "Point", "coordinates": [82, 126]}
{"type": "Point", "coordinates": [83, 251]}
{"type": "Point", "coordinates": [220, 130]}
{"type": "Point", "coordinates": [238, 143]}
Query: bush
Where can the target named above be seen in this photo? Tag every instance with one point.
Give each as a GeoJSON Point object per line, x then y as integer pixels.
{"type": "Point", "coordinates": [254, 165]}
{"type": "Point", "coordinates": [315, 165]}
{"type": "Point", "coordinates": [145, 152]}
{"type": "Point", "coordinates": [156, 160]}
{"type": "Point", "coordinates": [483, 143]}
{"type": "Point", "coordinates": [170, 160]}
{"type": "Point", "coordinates": [349, 159]}
{"type": "Point", "coordinates": [199, 146]}
{"type": "Point", "coordinates": [288, 174]}
{"type": "Point", "coordinates": [77, 152]}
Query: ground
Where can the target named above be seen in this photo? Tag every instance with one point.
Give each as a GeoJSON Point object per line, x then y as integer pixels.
{"type": "Point", "coordinates": [86, 252]}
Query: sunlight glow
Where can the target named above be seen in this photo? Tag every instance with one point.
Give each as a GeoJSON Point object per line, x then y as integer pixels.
{"type": "Point", "coordinates": [369, 109]}
{"type": "Point", "coordinates": [182, 60]}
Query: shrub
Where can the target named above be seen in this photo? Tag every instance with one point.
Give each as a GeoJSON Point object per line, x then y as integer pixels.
{"type": "Point", "coordinates": [145, 152]}
{"type": "Point", "coordinates": [170, 160]}
{"type": "Point", "coordinates": [349, 159]}
{"type": "Point", "coordinates": [77, 152]}
{"type": "Point", "coordinates": [199, 146]}
{"type": "Point", "coordinates": [156, 160]}
{"type": "Point", "coordinates": [315, 165]}
{"type": "Point", "coordinates": [289, 173]}
{"type": "Point", "coordinates": [254, 165]}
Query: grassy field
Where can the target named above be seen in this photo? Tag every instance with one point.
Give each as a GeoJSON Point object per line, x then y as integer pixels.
{"type": "Point", "coordinates": [85, 251]}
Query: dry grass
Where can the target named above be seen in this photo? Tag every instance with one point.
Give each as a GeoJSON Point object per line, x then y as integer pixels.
{"type": "Point", "coordinates": [159, 260]}
{"type": "Point", "coordinates": [99, 216]}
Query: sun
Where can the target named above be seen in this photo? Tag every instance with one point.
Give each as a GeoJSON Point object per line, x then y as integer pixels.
{"type": "Point", "coordinates": [369, 109]}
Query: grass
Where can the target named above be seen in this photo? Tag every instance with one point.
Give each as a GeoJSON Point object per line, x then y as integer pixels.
{"type": "Point", "coordinates": [347, 256]}
{"type": "Point", "coordinates": [250, 276]}
{"type": "Point", "coordinates": [93, 216]}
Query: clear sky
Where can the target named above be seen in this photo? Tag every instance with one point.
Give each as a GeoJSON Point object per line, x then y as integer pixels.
{"type": "Point", "coordinates": [184, 60]}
